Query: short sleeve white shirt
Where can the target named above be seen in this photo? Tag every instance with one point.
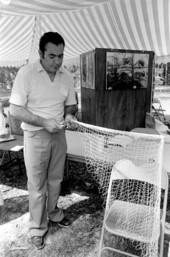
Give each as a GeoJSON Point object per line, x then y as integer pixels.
{"type": "Point", "coordinates": [34, 90]}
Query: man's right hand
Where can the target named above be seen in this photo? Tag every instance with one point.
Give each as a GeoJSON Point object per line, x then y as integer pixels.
{"type": "Point", "coordinates": [52, 126]}
{"type": "Point", "coordinates": [22, 114]}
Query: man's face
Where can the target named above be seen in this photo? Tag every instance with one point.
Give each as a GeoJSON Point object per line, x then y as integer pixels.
{"type": "Point", "coordinates": [52, 58]}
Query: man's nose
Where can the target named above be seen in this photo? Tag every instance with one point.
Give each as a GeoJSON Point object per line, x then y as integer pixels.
{"type": "Point", "coordinates": [57, 59]}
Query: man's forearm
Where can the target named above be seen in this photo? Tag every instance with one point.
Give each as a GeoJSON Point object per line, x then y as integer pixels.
{"type": "Point", "coordinates": [70, 116]}
{"type": "Point", "coordinates": [22, 114]}
{"type": "Point", "coordinates": [70, 110]}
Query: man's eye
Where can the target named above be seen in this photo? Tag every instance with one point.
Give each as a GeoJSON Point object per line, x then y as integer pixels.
{"type": "Point", "coordinates": [55, 57]}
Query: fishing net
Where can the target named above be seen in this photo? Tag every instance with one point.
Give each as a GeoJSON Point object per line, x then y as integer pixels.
{"type": "Point", "coordinates": [103, 148]}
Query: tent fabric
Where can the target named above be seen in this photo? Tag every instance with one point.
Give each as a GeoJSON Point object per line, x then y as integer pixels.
{"type": "Point", "coordinates": [85, 25]}
{"type": "Point", "coordinates": [34, 7]}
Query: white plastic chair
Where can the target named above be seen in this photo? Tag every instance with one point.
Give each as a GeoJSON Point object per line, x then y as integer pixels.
{"type": "Point", "coordinates": [129, 209]}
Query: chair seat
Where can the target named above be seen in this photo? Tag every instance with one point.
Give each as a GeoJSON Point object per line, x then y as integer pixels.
{"type": "Point", "coordinates": [133, 221]}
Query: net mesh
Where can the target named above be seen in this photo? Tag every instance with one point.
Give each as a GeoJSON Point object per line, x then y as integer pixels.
{"type": "Point", "coordinates": [103, 148]}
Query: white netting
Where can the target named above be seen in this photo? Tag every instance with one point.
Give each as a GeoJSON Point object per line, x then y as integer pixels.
{"type": "Point", "coordinates": [103, 148]}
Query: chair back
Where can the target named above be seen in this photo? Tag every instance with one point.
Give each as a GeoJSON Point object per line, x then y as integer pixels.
{"type": "Point", "coordinates": [126, 170]}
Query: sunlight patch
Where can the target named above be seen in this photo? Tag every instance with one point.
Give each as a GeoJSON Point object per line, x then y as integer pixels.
{"type": "Point", "coordinates": [11, 192]}
{"type": "Point", "coordinates": [68, 200]}
{"type": "Point", "coordinates": [14, 229]}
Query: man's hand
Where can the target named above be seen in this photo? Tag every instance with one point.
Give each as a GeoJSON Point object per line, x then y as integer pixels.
{"type": "Point", "coordinates": [52, 126]}
{"type": "Point", "coordinates": [69, 121]}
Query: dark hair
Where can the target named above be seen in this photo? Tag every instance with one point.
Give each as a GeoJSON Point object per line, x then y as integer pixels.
{"type": "Point", "coordinates": [52, 37]}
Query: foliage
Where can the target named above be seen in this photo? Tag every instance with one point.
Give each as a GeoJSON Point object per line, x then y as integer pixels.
{"type": "Point", "coordinates": [7, 75]}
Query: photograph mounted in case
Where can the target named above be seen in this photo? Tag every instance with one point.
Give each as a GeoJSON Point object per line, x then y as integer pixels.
{"type": "Point", "coordinates": [88, 70]}
{"type": "Point", "coordinates": [126, 70]}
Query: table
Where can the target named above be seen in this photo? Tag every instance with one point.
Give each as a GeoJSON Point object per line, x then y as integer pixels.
{"type": "Point", "coordinates": [75, 151]}
{"type": "Point", "coordinates": [15, 145]}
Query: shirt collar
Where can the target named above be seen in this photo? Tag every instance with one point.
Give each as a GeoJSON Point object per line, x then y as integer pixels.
{"type": "Point", "coordinates": [39, 66]}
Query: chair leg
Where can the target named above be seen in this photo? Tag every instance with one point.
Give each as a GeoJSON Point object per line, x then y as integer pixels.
{"type": "Point", "coordinates": [102, 247]}
{"type": "Point", "coordinates": [161, 240]}
{"type": "Point", "coordinates": [101, 241]}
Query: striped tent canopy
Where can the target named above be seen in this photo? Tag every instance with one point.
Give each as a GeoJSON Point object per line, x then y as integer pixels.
{"type": "Point", "coordinates": [85, 25]}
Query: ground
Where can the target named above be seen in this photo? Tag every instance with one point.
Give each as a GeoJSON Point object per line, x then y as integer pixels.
{"type": "Point", "coordinates": [82, 204]}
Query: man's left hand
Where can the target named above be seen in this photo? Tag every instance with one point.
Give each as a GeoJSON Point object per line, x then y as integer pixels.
{"type": "Point", "coordinates": [70, 121]}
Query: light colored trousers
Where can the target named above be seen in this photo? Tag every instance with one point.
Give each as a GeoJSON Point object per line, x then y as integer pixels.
{"type": "Point", "coordinates": [44, 155]}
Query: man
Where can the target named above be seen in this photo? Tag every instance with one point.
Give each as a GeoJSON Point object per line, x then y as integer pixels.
{"type": "Point", "coordinates": [43, 98]}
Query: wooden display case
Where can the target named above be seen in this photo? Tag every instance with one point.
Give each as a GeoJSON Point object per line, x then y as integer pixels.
{"type": "Point", "coordinates": [116, 87]}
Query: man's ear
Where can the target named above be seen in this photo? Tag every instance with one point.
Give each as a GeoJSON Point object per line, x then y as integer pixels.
{"type": "Point", "coordinates": [41, 54]}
